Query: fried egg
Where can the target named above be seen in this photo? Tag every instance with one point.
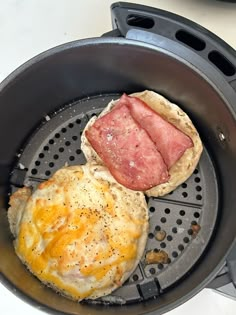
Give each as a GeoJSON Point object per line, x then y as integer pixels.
{"type": "Point", "coordinates": [80, 232]}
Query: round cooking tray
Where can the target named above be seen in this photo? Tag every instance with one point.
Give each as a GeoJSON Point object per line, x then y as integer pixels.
{"type": "Point", "coordinates": [56, 143]}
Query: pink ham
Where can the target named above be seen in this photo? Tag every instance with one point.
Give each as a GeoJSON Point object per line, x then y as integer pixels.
{"type": "Point", "coordinates": [170, 141]}
{"type": "Point", "coordinates": [127, 150]}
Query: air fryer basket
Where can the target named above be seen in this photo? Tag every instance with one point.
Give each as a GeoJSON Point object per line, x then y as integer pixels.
{"type": "Point", "coordinates": [44, 106]}
{"type": "Point", "coordinates": [57, 142]}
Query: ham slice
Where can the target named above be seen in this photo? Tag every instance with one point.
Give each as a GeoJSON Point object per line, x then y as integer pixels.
{"type": "Point", "coordinates": [170, 141]}
{"type": "Point", "coordinates": [127, 150]}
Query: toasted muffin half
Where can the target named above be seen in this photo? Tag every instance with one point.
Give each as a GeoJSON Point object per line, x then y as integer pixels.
{"type": "Point", "coordinates": [172, 113]}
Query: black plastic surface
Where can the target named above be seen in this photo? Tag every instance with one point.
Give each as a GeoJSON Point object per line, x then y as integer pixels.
{"type": "Point", "coordinates": [174, 30]}
{"type": "Point", "coordinates": [102, 66]}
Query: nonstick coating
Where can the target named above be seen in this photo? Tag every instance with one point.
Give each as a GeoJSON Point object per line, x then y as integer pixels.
{"type": "Point", "coordinates": [76, 71]}
{"type": "Point", "coordinates": [195, 202]}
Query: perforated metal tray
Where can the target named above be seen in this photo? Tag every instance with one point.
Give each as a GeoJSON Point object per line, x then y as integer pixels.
{"type": "Point", "coordinates": [57, 142]}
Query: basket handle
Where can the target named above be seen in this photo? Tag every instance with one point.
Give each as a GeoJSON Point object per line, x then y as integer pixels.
{"type": "Point", "coordinates": [175, 34]}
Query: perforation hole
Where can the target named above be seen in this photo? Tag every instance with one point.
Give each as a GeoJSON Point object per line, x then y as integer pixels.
{"type": "Point", "coordinates": [46, 148]}
{"type": "Point", "coordinates": [78, 121]}
{"type": "Point", "coordinates": [61, 149]}
{"type": "Point", "coordinates": [182, 213]}
{"type": "Point", "coordinates": [135, 277]}
{"type": "Point", "coordinates": [163, 245]}
{"type": "Point", "coordinates": [67, 143]}
{"type": "Point", "coordinates": [186, 240]}
{"type": "Point", "coordinates": [150, 235]}
{"type": "Point", "coordinates": [71, 125]}
{"type": "Point", "coordinates": [198, 188]}
{"type": "Point", "coordinates": [185, 194]}
{"type": "Point", "coordinates": [163, 220]}
{"type": "Point", "coordinates": [75, 138]}
{"type": "Point", "coordinates": [196, 215]}
{"type": "Point", "coordinates": [174, 254]}
{"type": "Point", "coordinates": [174, 230]}
{"type": "Point", "coordinates": [57, 135]}
{"type": "Point", "coordinates": [157, 228]}
{"type": "Point", "coordinates": [56, 156]}
{"type": "Point", "coordinates": [169, 238]}
{"type": "Point", "coordinates": [51, 164]}
{"type": "Point", "coordinates": [37, 163]}
{"type": "Point", "coordinates": [181, 247]}
{"type": "Point", "coordinates": [184, 185]}
{"type": "Point", "coordinates": [160, 266]}
{"type": "Point", "coordinates": [34, 171]}
{"type": "Point", "coordinates": [78, 151]}
{"type": "Point", "coordinates": [41, 155]}
{"type": "Point", "coordinates": [47, 173]}
{"type": "Point", "coordinates": [190, 232]}
{"type": "Point", "coordinates": [167, 210]}
{"type": "Point", "coordinates": [63, 130]}
{"type": "Point", "coordinates": [71, 158]}
{"type": "Point", "coordinates": [152, 209]}
{"type": "Point", "coordinates": [195, 171]}
{"type": "Point", "coordinates": [194, 223]}
{"type": "Point", "coordinates": [197, 179]}
{"type": "Point", "coordinates": [51, 141]}
{"type": "Point", "coordinates": [179, 221]}
{"type": "Point", "coordinates": [199, 197]}
{"type": "Point", "coordinates": [152, 271]}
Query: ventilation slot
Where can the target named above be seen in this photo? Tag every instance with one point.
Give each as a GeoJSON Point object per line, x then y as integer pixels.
{"type": "Point", "coordinates": [221, 63]}
{"type": "Point", "coordinates": [190, 40]}
{"type": "Point", "coordinates": [140, 21]}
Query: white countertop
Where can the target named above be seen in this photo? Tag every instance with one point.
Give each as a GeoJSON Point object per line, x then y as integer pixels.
{"type": "Point", "coordinates": [28, 27]}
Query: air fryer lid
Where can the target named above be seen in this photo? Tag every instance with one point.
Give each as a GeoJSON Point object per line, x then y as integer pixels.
{"type": "Point", "coordinates": [49, 100]}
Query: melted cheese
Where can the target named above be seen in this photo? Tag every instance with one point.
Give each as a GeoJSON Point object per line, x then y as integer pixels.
{"type": "Point", "coordinates": [76, 236]}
